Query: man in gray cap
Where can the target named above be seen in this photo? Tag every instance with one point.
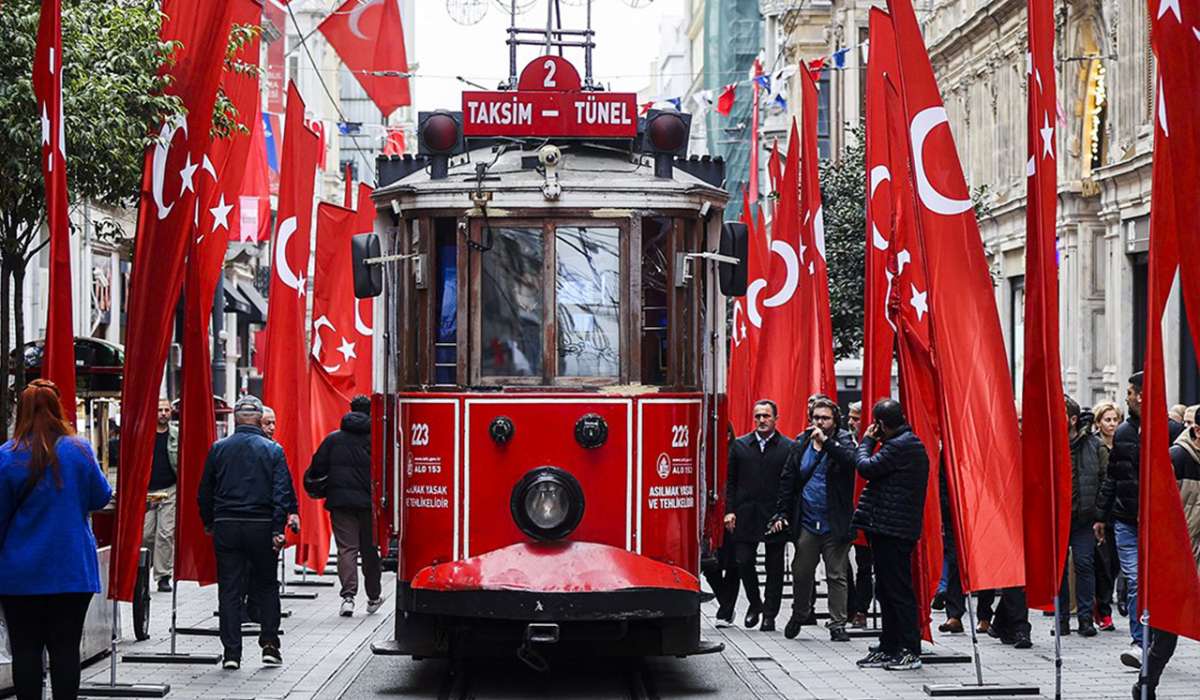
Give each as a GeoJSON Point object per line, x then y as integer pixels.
{"type": "Point", "coordinates": [246, 498]}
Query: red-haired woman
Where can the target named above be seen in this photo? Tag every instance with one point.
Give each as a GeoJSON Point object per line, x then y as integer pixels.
{"type": "Point", "coordinates": [49, 483]}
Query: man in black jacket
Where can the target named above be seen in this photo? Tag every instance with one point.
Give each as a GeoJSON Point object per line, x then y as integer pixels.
{"type": "Point", "coordinates": [245, 497]}
{"type": "Point", "coordinates": [1088, 463]}
{"type": "Point", "coordinates": [1119, 493]}
{"type": "Point", "coordinates": [890, 511]}
{"type": "Point", "coordinates": [343, 464]}
{"type": "Point", "coordinates": [755, 463]}
{"type": "Point", "coordinates": [816, 500]}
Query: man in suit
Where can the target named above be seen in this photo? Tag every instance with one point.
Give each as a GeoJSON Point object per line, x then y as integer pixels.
{"type": "Point", "coordinates": [756, 461]}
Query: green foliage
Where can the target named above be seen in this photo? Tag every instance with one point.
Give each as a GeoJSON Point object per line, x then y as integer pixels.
{"type": "Point", "coordinates": [843, 196]}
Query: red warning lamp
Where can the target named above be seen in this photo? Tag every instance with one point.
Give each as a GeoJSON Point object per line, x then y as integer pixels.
{"type": "Point", "coordinates": [439, 136]}
{"type": "Point", "coordinates": [665, 136]}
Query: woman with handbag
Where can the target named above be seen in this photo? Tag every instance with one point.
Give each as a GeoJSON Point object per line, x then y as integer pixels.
{"type": "Point", "coordinates": [49, 484]}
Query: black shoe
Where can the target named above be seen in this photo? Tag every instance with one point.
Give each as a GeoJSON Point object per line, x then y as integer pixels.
{"type": "Point", "coordinates": [1064, 629]}
{"type": "Point", "coordinates": [1022, 642]}
{"type": "Point", "coordinates": [164, 584]}
{"type": "Point", "coordinates": [1123, 609]}
{"type": "Point", "coordinates": [907, 661]}
{"type": "Point", "coordinates": [876, 659]}
{"type": "Point", "coordinates": [811, 620]}
{"type": "Point", "coordinates": [725, 615]}
{"type": "Point", "coordinates": [839, 634]}
{"type": "Point", "coordinates": [1086, 627]}
{"type": "Point", "coordinates": [706, 596]}
{"type": "Point", "coordinates": [768, 625]}
{"type": "Point", "coordinates": [993, 632]}
{"type": "Point", "coordinates": [872, 648]}
{"type": "Point", "coordinates": [792, 628]}
{"type": "Point", "coordinates": [939, 602]}
{"type": "Point", "coordinates": [271, 655]}
{"type": "Point", "coordinates": [1137, 692]}
{"type": "Point", "coordinates": [752, 617]}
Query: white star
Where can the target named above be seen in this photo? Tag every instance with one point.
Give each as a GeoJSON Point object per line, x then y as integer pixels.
{"type": "Point", "coordinates": [802, 249]}
{"type": "Point", "coordinates": [45, 126]}
{"type": "Point", "coordinates": [1047, 132]}
{"type": "Point", "coordinates": [1171, 5]}
{"type": "Point", "coordinates": [187, 173]}
{"type": "Point", "coordinates": [811, 268]}
{"type": "Point", "coordinates": [919, 301]}
{"type": "Point", "coordinates": [347, 350]}
{"type": "Point", "coordinates": [743, 331]}
{"type": "Point", "coordinates": [221, 214]}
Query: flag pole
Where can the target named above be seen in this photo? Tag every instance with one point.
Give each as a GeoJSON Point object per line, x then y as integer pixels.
{"type": "Point", "coordinates": [1058, 652]}
{"type": "Point", "coordinates": [1145, 647]}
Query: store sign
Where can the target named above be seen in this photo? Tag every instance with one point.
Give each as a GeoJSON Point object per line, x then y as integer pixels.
{"type": "Point", "coordinates": [550, 101]}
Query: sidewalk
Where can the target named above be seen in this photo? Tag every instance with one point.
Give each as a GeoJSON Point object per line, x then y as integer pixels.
{"type": "Point", "coordinates": [316, 644]}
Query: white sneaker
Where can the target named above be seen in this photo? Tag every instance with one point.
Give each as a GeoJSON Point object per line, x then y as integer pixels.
{"type": "Point", "coordinates": [374, 605]}
{"type": "Point", "coordinates": [1132, 657]}
{"type": "Point", "coordinates": [347, 607]}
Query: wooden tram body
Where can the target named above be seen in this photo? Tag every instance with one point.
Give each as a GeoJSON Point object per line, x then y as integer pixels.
{"type": "Point", "coordinates": [552, 360]}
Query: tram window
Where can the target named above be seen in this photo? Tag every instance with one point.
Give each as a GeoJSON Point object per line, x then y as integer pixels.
{"type": "Point", "coordinates": [445, 361]}
{"type": "Point", "coordinates": [511, 296]}
{"type": "Point", "coordinates": [655, 236]}
{"type": "Point", "coordinates": [587, 288]}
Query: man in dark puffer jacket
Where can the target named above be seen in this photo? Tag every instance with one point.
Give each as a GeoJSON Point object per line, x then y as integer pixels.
{"type": "Point", "coordinates": [1088, 464]}
{"type": "Point", "coordinates": [890, 511]}
{"type": "Point", "coordinates": [1119, 495]}
{"type": "Point", "coordinates": [344, 458]}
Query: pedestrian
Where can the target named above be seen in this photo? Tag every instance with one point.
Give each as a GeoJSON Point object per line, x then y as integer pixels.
{"type": "Point", "coordinates": [1177, 413]}
{"type": "Point", "coordinates": [816, 501]}
{"type": "Point", "coordinates": [245, 497]}
{"type": "Point", "coordinates": [1106, 416]}
{"type": "Point", "coordinates": [719, 566]}
{"type": "Point", "coordinates": [49, 484]}
{"type": "Point", "coordinates": [860, 586]}
{"type": "Point", "coordinates": [268, 422]}
{"type": "Point", "coordinates": [854, 418]}
{"type": "Point", "coordinates": [756, 461]}
{"type": "Point", "coordinates": [1189, 416]}
{"type": "Point", "coordinates": [1089, 460]}
{"type": "Point", "coordinates": [1119, 495]}
{"type": "Point", "coordinates": [342, 465]}
{"type": "Point", "coordinates": [158, 525]}
{"type": "Point", "coordinates": [1185, 458]}
{"type": "Point", "coordinates": [890, 511]}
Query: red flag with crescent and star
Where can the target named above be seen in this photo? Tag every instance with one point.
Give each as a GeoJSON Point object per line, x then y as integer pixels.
{"type": "Point", "coordinates": [1045, 453]}
{"type": "Point", "coordinates": [219, 182]}
{"type": "Point", "coordinates": [981, 440]}
{"type": "Point", "coordinates": [253, 221]}
{"type": "Point", "coordinates": [166, 215]}
{"type": "Point", "coordinates": [1168, 587]}
{"type": "Point", "coordinates": [368, 36]}
{"type": "Point", "coordinates": [743, 349]}
{"type": "Point", "coordinates": [58, 358]}
{"type": "Point", "coordinates": [285, 385]}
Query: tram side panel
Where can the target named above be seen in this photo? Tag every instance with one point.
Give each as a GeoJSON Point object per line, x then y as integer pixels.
{"type": "Point", "coordinates": [669, 483]}
{"type": "Point", "coordinates": [426, 474]}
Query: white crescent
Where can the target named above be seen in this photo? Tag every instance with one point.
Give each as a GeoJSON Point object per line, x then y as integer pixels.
{"type": "Point", "coordinates": [737, 311]}
{"type": "Point", "coordinates": [320, 323]}
{"type": "Point", "coordinates": [879, 175]}
{"type": "Point", "coordinates": [286, 275]}
{"type": "Point", "coordinates": [792, 263]}
{"type": "Point", "coordinates": [819, 230]}
{"type": "Point", "coordinates": [752, 293]}
{"type": "Point", "coordinates": [158, 167]}
{"type": "Point", "coordinates": [926, 121]}
{"type": "Point", "coordinates": [362, 328]}
{"type": "Point", "coordinates": [356, 16]}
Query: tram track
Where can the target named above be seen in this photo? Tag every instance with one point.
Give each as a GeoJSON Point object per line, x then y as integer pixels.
{"type": "Point", "coordinates": [582, 679]}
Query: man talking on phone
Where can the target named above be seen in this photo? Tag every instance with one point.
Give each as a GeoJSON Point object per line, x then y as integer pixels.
{"type": "Point", "coordinates": [246, 498]}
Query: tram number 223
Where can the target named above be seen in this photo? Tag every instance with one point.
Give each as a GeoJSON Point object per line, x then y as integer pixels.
{"type": "Point", "coordinates": [679, 436]}
{"type": "Point", "coordinates": [420, 434]}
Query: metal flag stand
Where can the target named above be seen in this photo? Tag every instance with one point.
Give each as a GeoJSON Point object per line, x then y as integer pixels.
{"type": "Point", "coordinates": [284, 593]}
{"type": "Point", "coordinates": [113, 689]}
{"type": "Point", "coordinates": [173, 656]}
{"type": "Point", "coordinates": [1145, 689]}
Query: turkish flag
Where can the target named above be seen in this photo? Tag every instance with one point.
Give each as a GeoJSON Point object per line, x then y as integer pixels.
{"type": "Point", "coordinates": [394, 144]}
{"type": "Point", "coordinates": [368, 35]}
{"type": "Point", "coordinates": [253, 221]}
{"type": "Point", "coordinates": [285, 385]}
{"type": "Point", "coordinates": [219, 185]}
{"type": "Point", "coordinates": [814, 272]}
{"type": "Point", "coordinates": [58, 359]}
{"type": "Point", "coordinates": [1045, 452]}
{"type": "Point", "coordinates": [165, 218]}
{"type": "Point", "coordinates": [746, 326]}
{"type": "Point", "coordinates": [777, 304]}
{"type": "Point", "coordinates": [1169, 590]}
{"type": "Point", "coordinates": [725, 100]}
{"type": "Point", "coordinates": [979, 426]}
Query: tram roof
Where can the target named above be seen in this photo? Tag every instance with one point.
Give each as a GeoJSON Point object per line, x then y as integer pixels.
{"type": "Point", "coordinates": [591, 177]}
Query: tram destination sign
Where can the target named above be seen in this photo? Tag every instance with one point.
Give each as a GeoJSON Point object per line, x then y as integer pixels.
{"type": "Point", "coordinates": [550, 101]}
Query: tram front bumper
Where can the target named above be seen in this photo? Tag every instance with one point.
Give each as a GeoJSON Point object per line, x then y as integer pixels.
{"type": "Point", "coordinates": [555, 582]}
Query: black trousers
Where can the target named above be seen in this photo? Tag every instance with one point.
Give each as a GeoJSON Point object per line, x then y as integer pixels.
{"type": "Point", "coordinates": [721, 572]}
{"type": "Point", "coordinates": [1162, 648]}
{"type": "Point", "coordinates": [245, 552]}
{"type": "Point", "coordinates": [1011, 616]}
{"type": "Point", "coordinates": [1105, 566]}
{"type": "Point", "coordinates": [53, 623]}
{"type": "Point", "coordinates": [861, 582]}
{"type": "Point", "coordinates": [894, 590]}
{"type": "Point", "coordinates": [746, 553]}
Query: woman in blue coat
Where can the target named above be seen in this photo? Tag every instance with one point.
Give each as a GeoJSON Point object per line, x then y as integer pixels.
{"type": "Point", "coordinates": [49, 484]}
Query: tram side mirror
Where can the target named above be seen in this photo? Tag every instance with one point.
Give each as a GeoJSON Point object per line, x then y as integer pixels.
{"type": "Point", "coordinates": [368, 278]}
{"type": "Point", "coordinates": [735, 242]}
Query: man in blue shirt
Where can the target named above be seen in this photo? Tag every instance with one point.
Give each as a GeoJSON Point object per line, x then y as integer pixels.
{"type": "Point", "coordinates": [816, 499]}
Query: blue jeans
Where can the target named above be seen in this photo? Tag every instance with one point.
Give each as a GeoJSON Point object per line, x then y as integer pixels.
{"type": "Point", "coordinates": [1127, 551]}
{"type": "Point", "coordinates": [1083, 546]}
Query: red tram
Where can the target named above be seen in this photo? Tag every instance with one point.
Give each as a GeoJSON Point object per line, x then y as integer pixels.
{"type": "Point", "coordinates": [554, 352]}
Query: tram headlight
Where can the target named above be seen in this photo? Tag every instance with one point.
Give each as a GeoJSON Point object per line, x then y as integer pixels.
{"type": "Point", "coordinates": [547, 503]}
